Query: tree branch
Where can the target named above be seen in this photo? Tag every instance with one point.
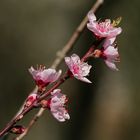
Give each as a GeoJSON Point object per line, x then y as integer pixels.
{"type": "Point", "coordinates": [60, 55]}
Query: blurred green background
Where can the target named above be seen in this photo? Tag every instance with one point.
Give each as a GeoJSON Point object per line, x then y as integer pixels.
{"type": "Point", "coordinates": [31, 31]}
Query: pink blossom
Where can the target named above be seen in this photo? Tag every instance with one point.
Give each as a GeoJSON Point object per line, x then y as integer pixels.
{"type": "Point", "coordinates": [57, 105]}
{"type": "Point", "coordinates": [111, 56]}
{"type": "Point", "coordinates": [79, 69]}
{"type": "Point", "coordinates": [108, 42]}
{"type": "Point", "coordinates": [110, 53]}
{"type": "Point", "coordinates": [102, 29]}
{"type": "Point", "coordinates": [44, 76]}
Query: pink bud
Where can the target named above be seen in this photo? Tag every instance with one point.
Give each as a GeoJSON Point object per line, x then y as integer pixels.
{"type": "Point", "coordinates": [18, 129]}
{"type": "Point", "coordinates": [30, 100]}
{"type": "Point", "coordinates": [45, 103]}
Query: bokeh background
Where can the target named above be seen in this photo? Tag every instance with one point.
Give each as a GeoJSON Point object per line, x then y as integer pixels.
{"type": "Point", "coordinates": [31, 31]}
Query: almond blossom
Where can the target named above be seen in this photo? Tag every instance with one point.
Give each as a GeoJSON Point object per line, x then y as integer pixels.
{"type": "Point", "coordinates": [44, 76]}
{"type": "Point", "coordinates": [102, 29]}
{"type": "Point", "coordinates": [79, 69]}
{"type": "Point", "coordinates": [57, 105]}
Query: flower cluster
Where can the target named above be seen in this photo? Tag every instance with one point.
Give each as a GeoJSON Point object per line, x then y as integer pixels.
{"type": "Point", "coordinates": [108, 31]}
{"type": "Point", "coordinates": [47, 95]}
{"type": "Point", "coordinates": [78, 68]}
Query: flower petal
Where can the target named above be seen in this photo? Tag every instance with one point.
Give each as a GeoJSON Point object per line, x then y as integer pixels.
{"type": "Point", "coordinates": [111, 52]}
{"type": "Point", "coordinates": [108, 42]}
{"type": "Point", "coordinates": [91, 16]}
{"type": "Point", "coordinates": [84, 79]}
{"type": "Point", "coordinates": [111, 65]}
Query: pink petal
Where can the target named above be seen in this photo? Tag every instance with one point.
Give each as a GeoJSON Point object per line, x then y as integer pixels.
{"type": "Point", "coordinates": [115, 32]}
{"type": "Point", "coordinates": [84, 79]}
{"type": "Point", "coordinates": [85, 68]}
{"type": "Point", "coordinates": [111, 65]}
{"type": "Point", "coordinates": [61, 116]}
{"type": "Point", "coordinates": [93, 27]}
{"type": "Point", "coordinates": [108, 42]}
{"type": "Point", "coordinates": [56, 91]}
{"type": "Point", "coordinates": [111, 52]}
{"type": "Point", "coordinates": [50, 75]}
{"type": "Point", "coordinates": [33, 72]}
{"type": "Point", "coordinates": [91, 16]}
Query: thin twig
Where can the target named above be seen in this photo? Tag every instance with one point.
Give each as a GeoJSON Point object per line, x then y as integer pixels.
{"type": "Point", "coordinates": [35, 118]}
{"type": "Point", "coordinates": [60, 82]}
{"type": "Point", "coordinates": [60, 55]}
{"type": "Point", "coordinates": [29, 108]}
{"type": "Point", "coordinates": [75, 36]}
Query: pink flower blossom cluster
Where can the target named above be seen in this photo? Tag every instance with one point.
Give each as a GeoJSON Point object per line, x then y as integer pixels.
{"type": "Point", "coordinates": [77, 67]}
{"type": "Point", "coordinates": [105, 29]}
{"type": "Point", "coordinates": [47, 95]}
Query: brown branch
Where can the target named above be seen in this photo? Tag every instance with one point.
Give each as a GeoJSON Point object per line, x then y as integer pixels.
{"type": "Point", "coordinates": [15, 120]}
{"type": "Point", "coordinates": [32, 122]}
{"type": "Point", "coordinates": [60, 55]}
{"type": "Point", "coordinates": [34, 104]}
{"type": "Point", "coordinates": [29, 108]}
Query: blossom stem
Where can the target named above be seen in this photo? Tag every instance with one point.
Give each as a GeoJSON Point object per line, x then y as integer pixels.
{"type": "Point", "coordinates": [75, 36]}
{"type": "Point", "coordinates": [57, 61]}
{"type": "Point", "coordinates": [61, 81]}
{"type": "Point", "coordinates": [15, 120]}
{"type": "Point", "coordinates": [66, 76]}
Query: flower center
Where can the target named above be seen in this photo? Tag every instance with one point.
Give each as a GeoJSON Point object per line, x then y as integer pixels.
{"type": "Point", "coordinates": [76, 69]}
{"type": "Point", "coordinates": [104, 26]}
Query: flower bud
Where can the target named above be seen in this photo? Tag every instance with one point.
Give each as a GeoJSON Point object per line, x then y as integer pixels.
{"type": "Point", "coordinates": [97, 53]}
{"type": "Point", "coordinates": [45, 103]}
{"type": "Point", "coordinates": [31, 98]}
{"type": "Point", "coordinates": [17, 129]}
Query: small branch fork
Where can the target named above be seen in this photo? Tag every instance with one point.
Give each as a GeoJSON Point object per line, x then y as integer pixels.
{"type": "Point", "coordinates": [60, 55]}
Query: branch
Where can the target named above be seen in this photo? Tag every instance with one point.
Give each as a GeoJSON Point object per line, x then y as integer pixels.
{"type": "Point", "coordinates": [60, 55]}
{"type": "Point", "coordinates": [75, 36]}
{"type": "Point", "coordinates": [29, 108]}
